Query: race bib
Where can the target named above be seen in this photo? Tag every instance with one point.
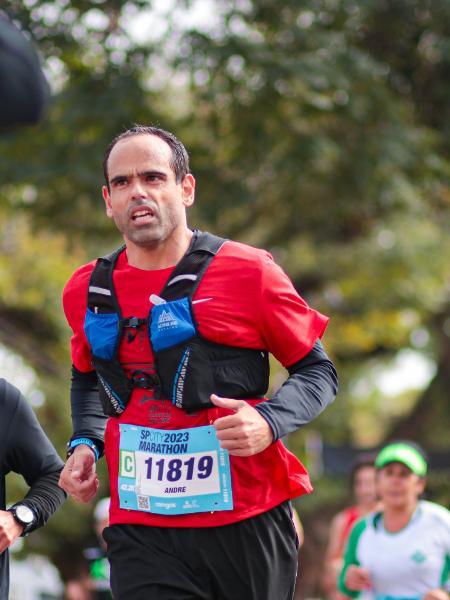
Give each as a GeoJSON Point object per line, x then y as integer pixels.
{"type": "Point", "coordinates": [378, 597]}
{"type": "Point", "coordinates": [173, 472]}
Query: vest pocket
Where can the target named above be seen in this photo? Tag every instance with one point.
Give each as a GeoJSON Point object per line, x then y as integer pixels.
{"type": "Point", "coordinates": [102, 331]}
{"type": "Point", "coordinates": [170, 324]}
{"type": "Point", "coordinates": [241, 373]}
{"type": "Point", "coordinates": [115, 387]}
{"type": "Point", "coordinates": [186, 375]}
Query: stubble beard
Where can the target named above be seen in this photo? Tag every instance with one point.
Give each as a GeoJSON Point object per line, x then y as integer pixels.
{"type": "Point", "coordinates": [150, 236]}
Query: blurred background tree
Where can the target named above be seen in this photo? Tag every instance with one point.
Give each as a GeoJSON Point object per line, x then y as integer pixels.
{"type": "Point", "coordinates": [317, 129]}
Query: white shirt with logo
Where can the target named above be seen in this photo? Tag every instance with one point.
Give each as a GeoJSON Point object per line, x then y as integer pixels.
{"type": "Point", "coordinates": [405, 564]}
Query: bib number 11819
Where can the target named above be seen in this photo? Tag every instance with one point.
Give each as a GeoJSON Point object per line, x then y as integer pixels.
{"type": "Point", "coordinates": [175, 469]}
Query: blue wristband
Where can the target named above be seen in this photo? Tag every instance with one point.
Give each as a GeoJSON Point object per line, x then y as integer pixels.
{"type": "Point", "coordinates": [74, 443]}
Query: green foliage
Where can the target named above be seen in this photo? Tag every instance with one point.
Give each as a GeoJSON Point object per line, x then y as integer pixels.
{"type": "Point", "coordinates": [319, 130]}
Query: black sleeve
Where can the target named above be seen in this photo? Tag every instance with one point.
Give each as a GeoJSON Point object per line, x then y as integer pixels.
{"type": "Point", "coordinates": [311, 386]}
{"type": "Point", "coordinates": [30, 453]}
{"type": "Point", "coordinates": [24, 91]}
{"type": "Point", "coordinates": [88, 418]}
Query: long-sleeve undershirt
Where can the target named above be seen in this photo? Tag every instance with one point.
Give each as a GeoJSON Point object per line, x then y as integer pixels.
{"type": "Point", "coordinates": [309, 389]}
{"type": "Point", "coordinates": [25, 449]}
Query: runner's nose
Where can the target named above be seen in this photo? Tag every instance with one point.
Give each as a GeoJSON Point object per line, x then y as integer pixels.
{"type": "Point", "coordinates": [137, 190]}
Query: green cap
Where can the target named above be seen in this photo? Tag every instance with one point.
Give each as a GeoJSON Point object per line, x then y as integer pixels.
{"type": "Point", "coordinates": [405, 454]}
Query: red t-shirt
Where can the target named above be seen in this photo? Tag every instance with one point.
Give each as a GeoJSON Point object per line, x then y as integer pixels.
{"type": "Point", "coordinates": [350, 515]}
{"type": "Point", "coordinates": [247, 301]}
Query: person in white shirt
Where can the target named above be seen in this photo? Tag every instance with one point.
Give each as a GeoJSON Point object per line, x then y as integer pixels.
{"type": "Point", "coordinates": [403, 551]}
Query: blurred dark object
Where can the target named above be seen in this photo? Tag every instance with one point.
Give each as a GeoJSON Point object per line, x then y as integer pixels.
{"type": "Point", "coordinates": [24, 91]}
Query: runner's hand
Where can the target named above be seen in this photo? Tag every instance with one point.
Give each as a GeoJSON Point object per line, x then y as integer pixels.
{"type": "Point", "coordinates": [438, 594]}
{"type": "Point", "coordinates": [10, 530]}
{"type": "Point", "coordinates": [78, 478]}
{"type": "Point", "coordinates": [243, 433]}
{"type": "Point", "coordinates": [357, 578]}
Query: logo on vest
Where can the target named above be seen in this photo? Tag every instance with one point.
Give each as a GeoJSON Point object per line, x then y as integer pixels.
{"type": "Point", "coordinates": [166, 320]}
{"type": "Point", "coordinates": [418, 557]}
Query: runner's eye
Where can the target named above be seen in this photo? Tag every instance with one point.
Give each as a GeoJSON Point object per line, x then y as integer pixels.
{"type": "Point", "coordinates": [153, 178]}
{"type": "Point", "coordinates": [119, 182]}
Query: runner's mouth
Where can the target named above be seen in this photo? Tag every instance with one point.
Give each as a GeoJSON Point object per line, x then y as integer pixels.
{"type": "Point", "coordinates": [142, 215]}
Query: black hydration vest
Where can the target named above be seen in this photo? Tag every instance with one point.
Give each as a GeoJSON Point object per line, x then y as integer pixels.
{"type": "Point", "coordinates": [189, 368]}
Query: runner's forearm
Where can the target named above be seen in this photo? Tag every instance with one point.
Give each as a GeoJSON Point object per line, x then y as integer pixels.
{"type": "Point", "coordinates": [88, 418]}
{"type": "Point", "coordinates": [45, 497]}
{"type": "Point", "coordinates": [311, 386]}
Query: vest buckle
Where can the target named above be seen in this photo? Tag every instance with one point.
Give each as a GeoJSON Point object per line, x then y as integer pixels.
{"type": "Point", "coordinates": [147, 381]}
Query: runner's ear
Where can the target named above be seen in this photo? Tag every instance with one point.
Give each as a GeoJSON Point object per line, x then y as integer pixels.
{"type": "Point", "coordinates": [188, 189]}
{"type": "Point", "coordinates": [107, 199]}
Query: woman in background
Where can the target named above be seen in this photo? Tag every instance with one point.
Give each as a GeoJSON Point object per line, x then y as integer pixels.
{"type": "Point", "coordinates": [362, 481]}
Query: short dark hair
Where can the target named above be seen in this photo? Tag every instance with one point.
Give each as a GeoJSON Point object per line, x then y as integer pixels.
{"type": "Point", "coordinates": [366, 459]}
{"type": "Point", "coordinates": [179, 161]}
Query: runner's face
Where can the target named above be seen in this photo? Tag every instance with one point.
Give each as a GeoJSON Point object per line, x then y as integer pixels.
{"type": "Point", "coordinates": [364, 486]}
{"type": "Point", "coordinates": [398, 486]}
{"type": "Point", "coordinates": [144, 200]}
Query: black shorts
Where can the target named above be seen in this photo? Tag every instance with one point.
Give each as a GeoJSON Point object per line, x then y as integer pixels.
{"type": "Point", "coordinates": [255, 559]}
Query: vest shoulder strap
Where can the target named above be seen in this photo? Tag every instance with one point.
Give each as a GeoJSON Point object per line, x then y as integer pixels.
{"type": "Point", "coordinates": [183, 281]}
{"type": "Point", "coordinates": [101, 293]}
{"type": "Point", "coordinates": [189, 271]}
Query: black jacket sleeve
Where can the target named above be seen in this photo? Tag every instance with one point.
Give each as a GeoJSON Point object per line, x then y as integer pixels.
{"type": "Point", "coordinates": [88, 418]}
{"type": "Point", "coordinates": [24, 91]}
{"type": "Point", "coordinates": [30, 453]}
{"type": "Point", "coordinates": [311, 386]}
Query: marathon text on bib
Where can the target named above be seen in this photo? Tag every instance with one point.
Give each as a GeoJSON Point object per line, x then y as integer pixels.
{"type": "Point", "coordinates": [173, 472]}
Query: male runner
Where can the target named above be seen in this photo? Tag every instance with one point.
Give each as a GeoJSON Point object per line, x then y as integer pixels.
{"type": "Point", "coordinates": [175, 330]}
